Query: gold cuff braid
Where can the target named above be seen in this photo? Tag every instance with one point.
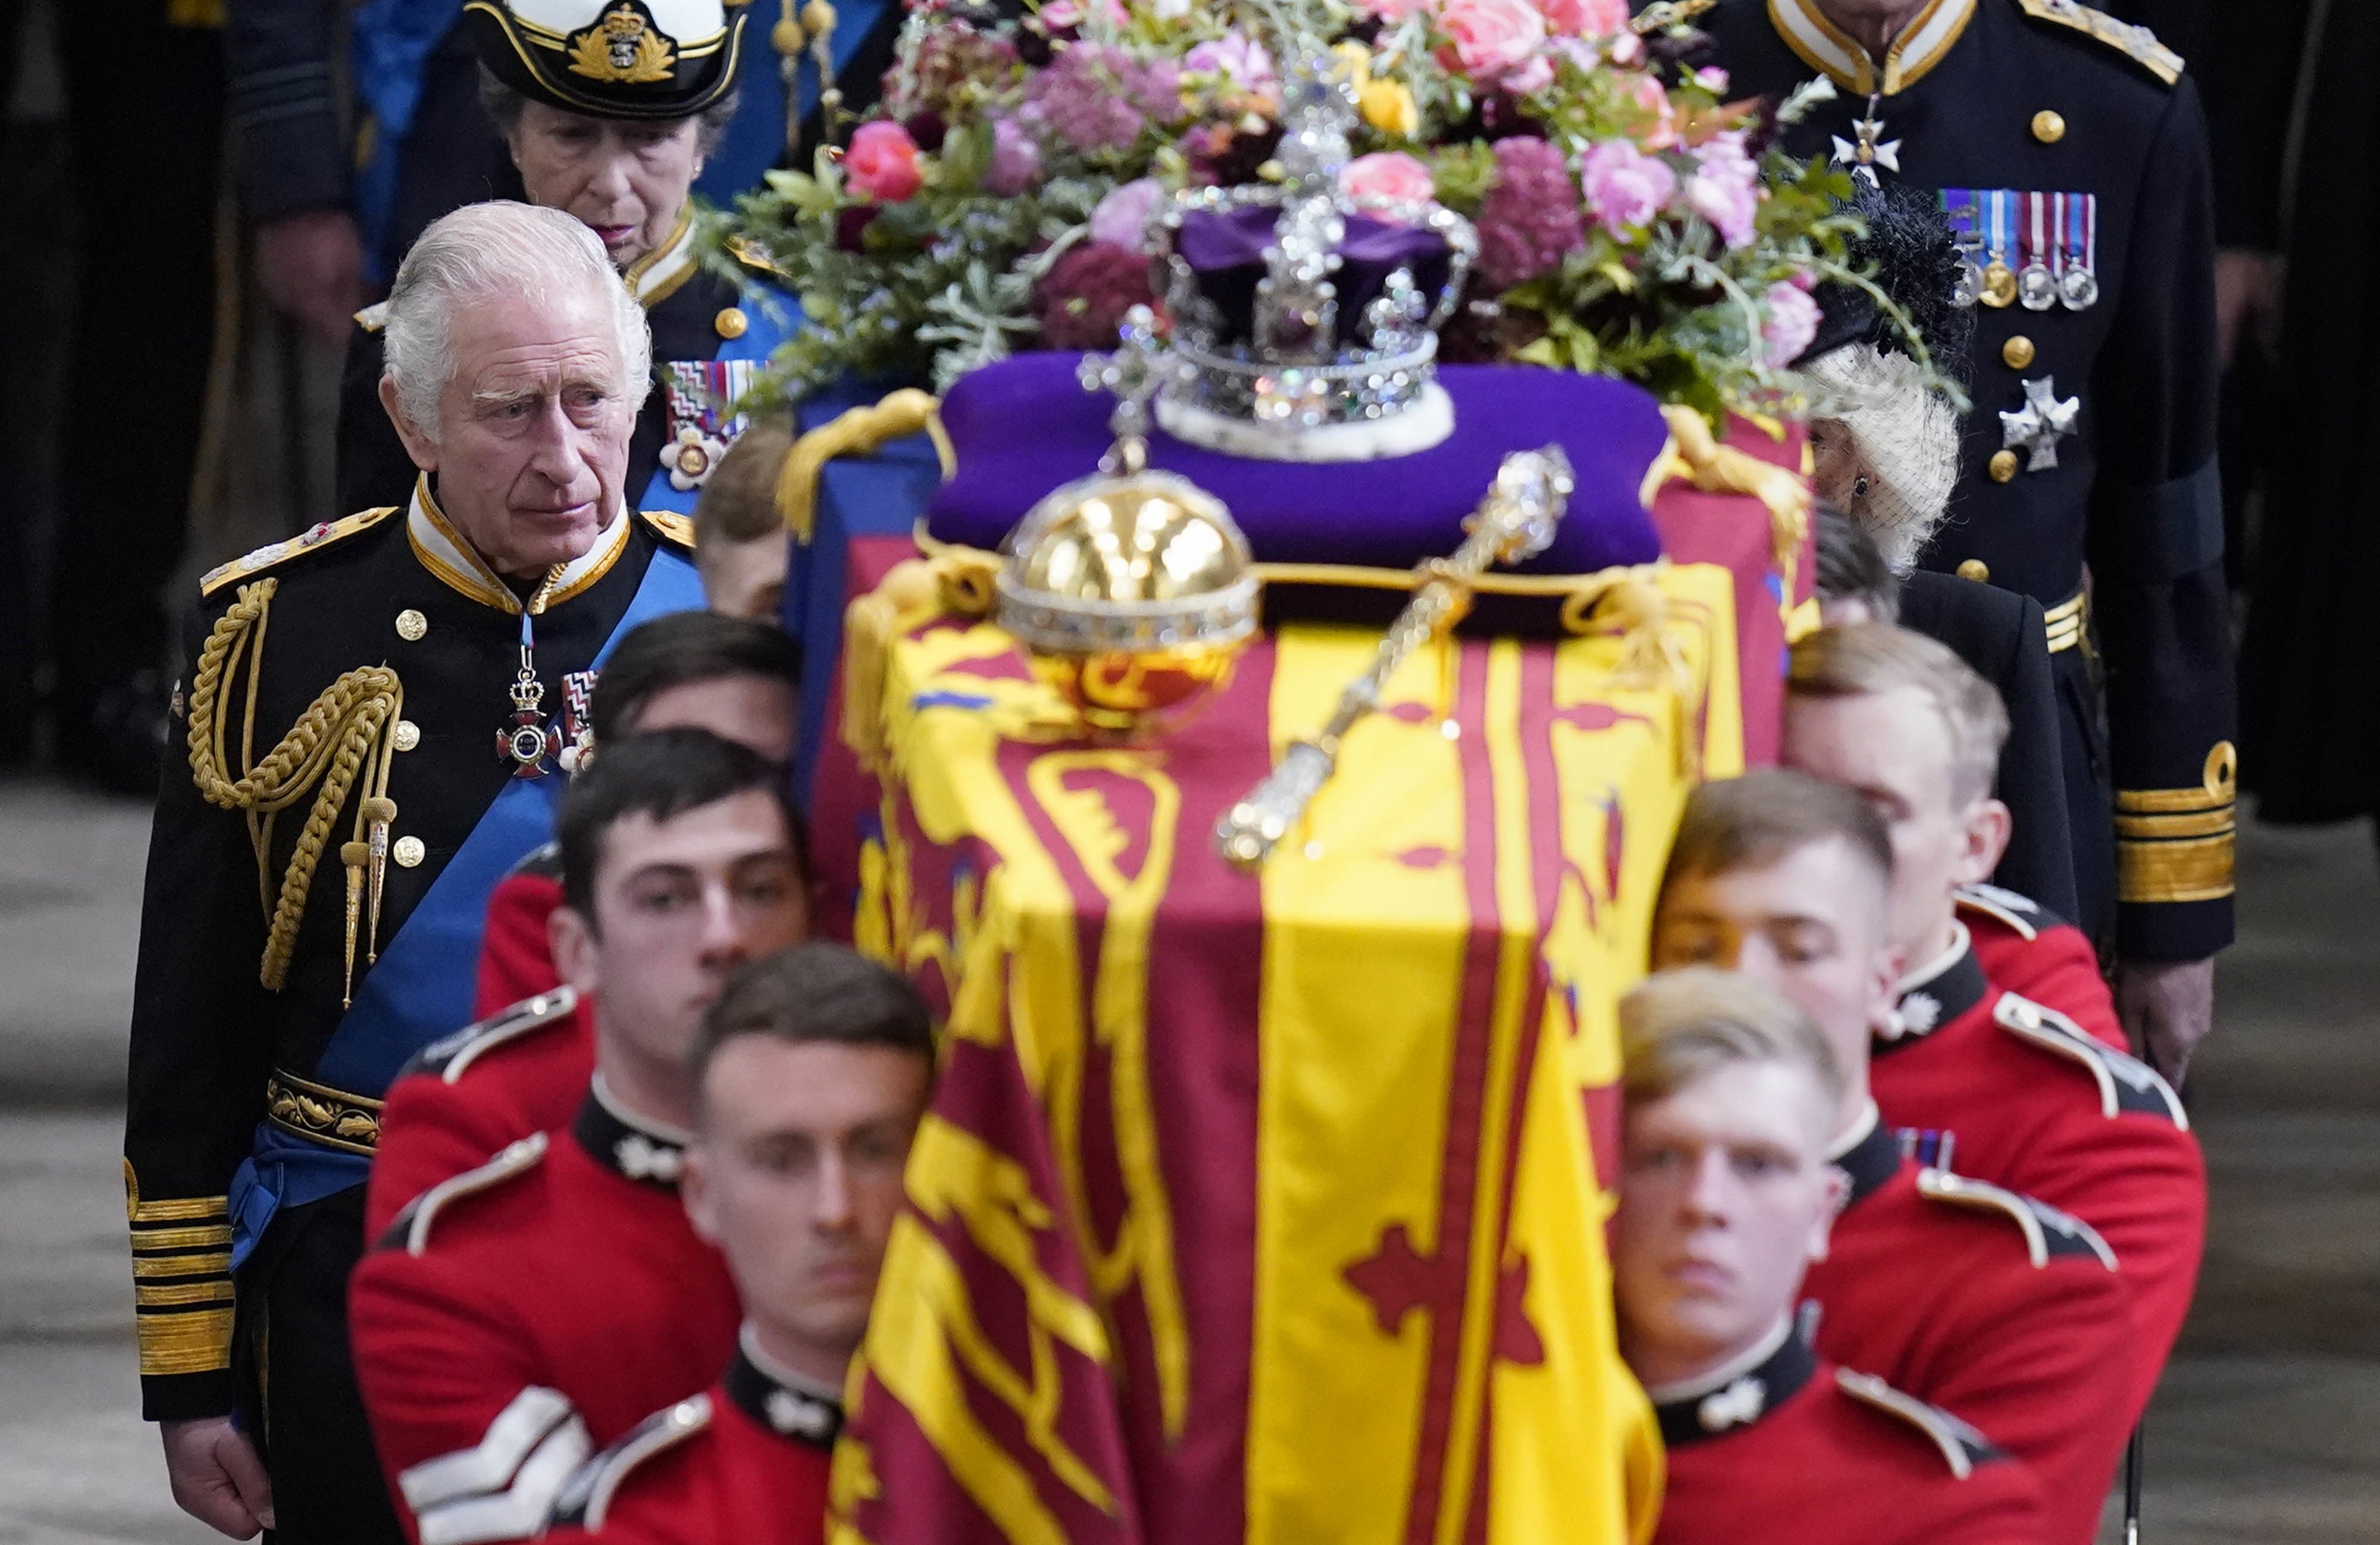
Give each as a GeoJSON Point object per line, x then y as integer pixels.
{"type": "Point", "coordinates": [2175, 844]}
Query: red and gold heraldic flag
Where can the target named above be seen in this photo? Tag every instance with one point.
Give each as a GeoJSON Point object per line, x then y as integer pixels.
{"type": "Point", "coordinates": [1269, 1209]}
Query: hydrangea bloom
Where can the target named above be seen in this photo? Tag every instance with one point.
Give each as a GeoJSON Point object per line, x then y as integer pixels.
{"type": "Point", "coordinates": [1100, 98]}
{"type": "Point", "coordinates": [1725, 188]}
{"type": "Point", "coordinates": [1530, 216]}
{"type": "Point", "coordinates": [1624, 186]}
{"type": "Point", "coordinates": [1792, 324]}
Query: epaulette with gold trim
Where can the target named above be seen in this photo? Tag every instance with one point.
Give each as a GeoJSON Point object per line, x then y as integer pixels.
{"type": "Point", "coordinates": [1962, 1447]}
{"type": "Point", "coordinates": [2126, 1083]}
{"type": "Point", "coordinates": [450, 1057]}
{"type": "Point", "coordinates": [410, 1231]}
{"type": "Point", "coordinates": [585, 1498]}
{"type": "Point", "coordinates": [374, 317]}
{"type": "Point", "coordinates": [2048, 1233]}
{"type": "Point", "coordinates": [2136, 43]}
{"type": "Point", "coordinates": [312, 539]}
{"type": "Point", "coordinates": [671, 526]}
{"type": "Point", "coordinates": [752, 255]}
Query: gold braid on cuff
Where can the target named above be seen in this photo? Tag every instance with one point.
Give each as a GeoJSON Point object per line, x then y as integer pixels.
{"type": "Point", "coordinates": [2177, 844]}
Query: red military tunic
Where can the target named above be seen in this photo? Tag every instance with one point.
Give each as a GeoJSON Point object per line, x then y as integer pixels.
{"type": "Point", "coordinates": [1996, 1308]}
{"type": "Point", "coordinates": [468, 1096]}
{"type": "Point", "coordinates": [1991, 1081]}
{"type": "Point", "coordinates": [516, 952]}
{"type": "Point", "coordinates": [746, 1463]}
{"type": "Point", "coordinates": [520, 1316]}
{"type": "Point", "coordinates": [2026, 948]}
{"type": "Point", "coordinates": [1798, 1451]}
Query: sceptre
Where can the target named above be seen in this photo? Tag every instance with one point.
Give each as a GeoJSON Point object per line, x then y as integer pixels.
{"type": "Point", "coordinates": [1514, 522]}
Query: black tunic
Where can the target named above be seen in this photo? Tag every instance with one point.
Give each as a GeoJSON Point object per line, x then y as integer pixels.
{"type": "Point", "coordinates": [2135, 495]}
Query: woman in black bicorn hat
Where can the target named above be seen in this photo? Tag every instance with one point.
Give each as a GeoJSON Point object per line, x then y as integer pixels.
{"type": "Point", "coordinates": [608, 108]}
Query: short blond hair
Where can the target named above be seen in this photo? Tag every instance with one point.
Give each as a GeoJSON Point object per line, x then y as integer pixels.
{"type": "Point", "coordinates": [738, 502]}
{"type": "Point", "coordinates": [1678, 1026]}
{"type": "Point", "coordinates": [1879, 657]}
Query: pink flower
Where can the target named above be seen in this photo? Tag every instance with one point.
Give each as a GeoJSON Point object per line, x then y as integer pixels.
{"type": "Point", "coordinates": [1627, 49]}
{"type": "Point", "coordinates": [1647, 94]}
{"type": "Point", "coordinates": [1586, 18]}
{"type": "Point", "coordinates": [1535, 76]}
{"type": "Point", "coordinates": [1626, 188]}
{"type": "Point", "coordinates": [1068, 13]}
{"type": "Point", "coordinates": [1530, 216]}
{"type": "Point", "coordinates": [1489, 38]}
{"type": "Point", "coordinates": [1792, 324]}
{"type": "Point", "coordinates": [1015, 160]}
{"type": "Point", "coordinates": [1725, 187]}
{"type": "Point", "coordinates": [1389, 175]}
{"type": "Point", "coordinates": [882, 164]}
{"type": "Point", "coordinates": [1235, 56]}
{"type": "Point", "coordinates": [1099, 98]}
{"type": "Point", "coordinates": [1712, 78]}
{"type": "Point", "coordinates": [1122, 218]}
{"type": "Point", "coordinates": [1393, 11]}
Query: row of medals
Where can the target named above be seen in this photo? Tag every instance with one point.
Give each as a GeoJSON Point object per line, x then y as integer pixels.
{"type": "Point", "coordinates": [1998, 286]}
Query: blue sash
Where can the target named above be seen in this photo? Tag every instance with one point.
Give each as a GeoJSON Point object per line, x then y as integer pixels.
{"type": "Point", "coordinates": [771, 316]}
{"type": "Point", "coordinates": [421, 988]}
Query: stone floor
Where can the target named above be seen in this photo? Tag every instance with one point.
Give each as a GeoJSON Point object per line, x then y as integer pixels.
{"type": "Point", "coordinates": [2266, 1431]}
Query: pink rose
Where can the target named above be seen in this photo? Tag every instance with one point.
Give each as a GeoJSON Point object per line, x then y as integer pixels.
{"type": "Point", "coordinates": [1712, 78]}
{"type": "Point", "coordinates": [1792, 324]}
{"type": "Point", "coordinates": [1394, 11]}
{"type": "Point", "coordinates": [1725, 187]}
{"type": "Point", "coordinates": [1534, 76]}
{"type": "Point", "coordinates": [1122, 218]}
{"type": "Point", "coordinates": [1624, 186]}
{"type": "Point", "coordinates": [1489, 38]}
{"type": "Point", "coordinates": [882, 164]}
{"type": "Point", "coordinates": [1584, 18]}
{"type": "Point", "coordinates": [1389, 175]}
{"type": "Point", "coordinates": [1647, 94]}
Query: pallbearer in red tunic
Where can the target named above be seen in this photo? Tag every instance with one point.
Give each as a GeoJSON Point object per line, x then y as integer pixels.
{"type": "Point", "coordinates": [521, 1315]}
{"type": "Point", "coordinates": [2001, 1058]}
{"type": "Point", "coordinates": [523, 1068]}
{"type": "Point", "coordinates": [1725, 1198]}
{"type": "Point", "coordinates": [2001, 1310]}
{"type": "Point", "coordinates": [812, 1071]}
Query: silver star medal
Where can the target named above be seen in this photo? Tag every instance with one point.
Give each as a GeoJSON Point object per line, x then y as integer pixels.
{"type": "Point", "coordinates": [798, 1417]}
{"type": "Point", "coordinates": [2040, 424]}
{"type": "Point", "coordinates": [1735, 1405]}
{"type": "Point", "coordinates": [642, 1159]}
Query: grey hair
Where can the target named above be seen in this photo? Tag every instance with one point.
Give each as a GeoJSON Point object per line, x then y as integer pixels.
{"type": "Point", "coordinates": [497, 250]}
{"type": "Point", "coordinates": [504, 107]}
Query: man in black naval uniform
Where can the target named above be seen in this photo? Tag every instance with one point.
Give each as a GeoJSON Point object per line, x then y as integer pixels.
{"type": "Point", "coordinates": [619, 148]}
{"type": "Point", "coordinates": [2069, 153]}
{"type": "Point", "coordinates": [372, 733]}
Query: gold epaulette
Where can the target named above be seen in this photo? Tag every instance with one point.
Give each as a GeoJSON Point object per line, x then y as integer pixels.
{"type": "Point", "coordinates": [2136, 43]}
{"type": "Point", "coordinates": [271, 553]}
{"type": "Point", "coordinates": [671, 526]}
{"type": "Point", "coordinates": [1962, 1446]}
{"type": "Point", "coordinates": [2177, 843]}
{"type": "Point", "coordinates": [181, 1281]}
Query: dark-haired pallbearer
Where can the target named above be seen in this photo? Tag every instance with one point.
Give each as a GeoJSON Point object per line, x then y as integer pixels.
{"type": "Point", "coordinates": [521, 1315]}
{"type": "Point", "coordinates": [523, 1067]}
{"type": "Point", "coordinates": [811, 1076]}
{"type": "Point", "coordinates": [1726, 1197]}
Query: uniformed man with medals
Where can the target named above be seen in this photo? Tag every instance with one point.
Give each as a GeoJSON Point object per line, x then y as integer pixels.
{"type": "Point", "coordinates": [608, 109]}
{"type": "Point", "coordinates": [2068, 153]}
{"type": "Point", "coordinates": [372, 733]}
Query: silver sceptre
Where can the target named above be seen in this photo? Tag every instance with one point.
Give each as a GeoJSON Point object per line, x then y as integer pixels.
{"type": "Point", "coordinates": [1514, 522]}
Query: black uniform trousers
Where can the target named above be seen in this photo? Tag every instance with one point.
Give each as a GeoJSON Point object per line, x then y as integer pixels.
{"type": "Point", "coordinates": [297, 1377]}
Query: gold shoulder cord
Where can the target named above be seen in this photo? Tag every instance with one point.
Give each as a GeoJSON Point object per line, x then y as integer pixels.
{"type": "Point", "coordinates": [343, 732]}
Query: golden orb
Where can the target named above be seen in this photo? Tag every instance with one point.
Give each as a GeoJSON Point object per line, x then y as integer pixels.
{"type": "Point", "coordinates": [1133, 596]}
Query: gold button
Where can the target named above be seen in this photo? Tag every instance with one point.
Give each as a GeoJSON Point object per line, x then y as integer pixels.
{"type": "Point", "coordinates": [408, 734]}
{"type": "Point", "coordinates": [2048, 128]}
{"type": "Point", "coordinates": [2003, 465]}
{"type": "Point", "coordinates": [2017, 353]}
{"type": "Point", "coordinates": [731, 322]}
{"type": "Point", "coordinates": [1975, 569]}
{"type": "Point", "coordinates": [407, 851]}
{"type": "Point", "coordinates": [411, 625]}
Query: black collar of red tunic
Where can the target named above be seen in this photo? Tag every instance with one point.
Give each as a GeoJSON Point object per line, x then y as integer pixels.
{"type": "Point", "coordinates": [1929, 1001]}
{"type": "Point", "coordinates": [1871, 1161]}
{"type": "Point", "coordinates": [1740, 1401]}
{"type": "Point", "coordinates": [792, 1407]}
{"type": "Point", "coordinates": [628, 1145]}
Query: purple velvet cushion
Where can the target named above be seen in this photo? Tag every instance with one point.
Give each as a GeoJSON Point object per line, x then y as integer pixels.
{"type": "Point", "coordinates": [1024, 426]}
